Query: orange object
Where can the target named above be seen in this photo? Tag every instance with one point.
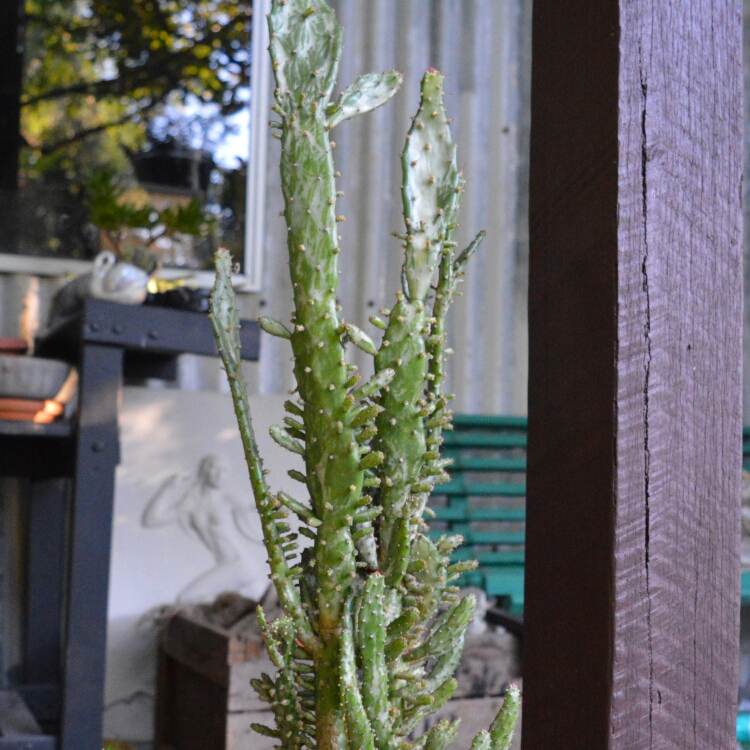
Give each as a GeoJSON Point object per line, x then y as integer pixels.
{"type": "Point", "coordinates": [50, 412]}
{"type": "Point", "coordinates": [13, 346]}
{"type": "Point", "coordinates": [30, 410]}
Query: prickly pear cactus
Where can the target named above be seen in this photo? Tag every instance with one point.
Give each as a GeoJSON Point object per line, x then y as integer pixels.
{"type": "Point", "coordinates": [373, 628]}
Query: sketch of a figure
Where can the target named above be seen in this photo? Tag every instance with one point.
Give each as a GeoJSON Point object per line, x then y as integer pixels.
{"type": "Point", "coordinates": [228, 528]}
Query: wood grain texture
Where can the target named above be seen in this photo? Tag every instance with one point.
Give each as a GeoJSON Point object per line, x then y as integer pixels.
{"type": "Point", "coordinates": [679, 375]}
{"type": "Point", "coordinates": [632, 582]}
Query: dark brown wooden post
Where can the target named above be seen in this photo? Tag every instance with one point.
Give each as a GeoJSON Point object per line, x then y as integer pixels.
{"type": "Point", "coordinates": [635, 296]}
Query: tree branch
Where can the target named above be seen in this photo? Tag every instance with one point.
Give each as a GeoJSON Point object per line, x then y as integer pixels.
{"type": "Point", "coordinates": [81, 134]}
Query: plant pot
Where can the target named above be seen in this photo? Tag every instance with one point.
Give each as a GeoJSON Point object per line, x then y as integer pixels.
{"type": "Point", "coordinates": [31, 377]}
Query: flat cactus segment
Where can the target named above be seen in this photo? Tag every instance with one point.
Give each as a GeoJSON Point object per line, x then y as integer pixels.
{"type": "Point", "coordinates": [265, 731]}
{"type": "Point", "coordinates": [305, 47]}
{"type": "Point", "coordinates": [432, 186]}
{"type": "Point", "coordinates": [446, 665]}
{"type": "Point", "coordinates": [428, 568]}
{"type": "Point", "coordinates": [366, 544]}
{"type": "Point", "coordinates": [400, 428]}
{"type": "Point", "coordinates": [285, 708]}
{"type": "Point", "coordinates": [367, 93]}
{"type": "Point", "coordinates": [305, 514]}
{"type": "Point", "coordinates": [397, 559]}
{"type": "Point", "coordinates": [377, 382]}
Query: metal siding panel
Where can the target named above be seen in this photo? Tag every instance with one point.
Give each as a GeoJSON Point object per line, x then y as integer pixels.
{"type": "Point", "coordinates": [476, 44]}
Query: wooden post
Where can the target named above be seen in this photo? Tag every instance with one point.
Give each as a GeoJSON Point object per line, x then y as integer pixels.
{"type": "Point", "coordinates": [635, 302]}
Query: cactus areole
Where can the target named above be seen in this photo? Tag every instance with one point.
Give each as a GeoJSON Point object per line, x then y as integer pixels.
{"type": "Point", "coordinates": [373, 628]}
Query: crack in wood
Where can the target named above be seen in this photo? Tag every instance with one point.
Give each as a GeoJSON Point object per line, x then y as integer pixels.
{"type": "Point", "coordinates": [646, 379]}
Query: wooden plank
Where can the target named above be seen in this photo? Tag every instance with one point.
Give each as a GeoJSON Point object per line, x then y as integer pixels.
{"type": "Point", "coordinates": [201, 648]}
{"type": "Point", "coordinates": [36, 455]}
{"type": "Point", "coordinates": [632, 569]}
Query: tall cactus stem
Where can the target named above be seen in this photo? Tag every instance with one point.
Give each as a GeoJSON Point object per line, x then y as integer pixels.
{"type": "Point", "coordinates": [372, 629]}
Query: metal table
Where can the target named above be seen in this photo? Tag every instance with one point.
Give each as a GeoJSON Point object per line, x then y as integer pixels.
{"type": "Point", "coordinates": [70, 472]}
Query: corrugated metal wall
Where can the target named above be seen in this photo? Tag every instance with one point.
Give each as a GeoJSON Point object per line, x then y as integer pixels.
{"type": "Point", "coordinates": [483, 48]}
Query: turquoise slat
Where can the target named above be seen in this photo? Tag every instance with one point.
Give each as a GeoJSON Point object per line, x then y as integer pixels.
{"type": "Point", "coordinates": [479, 463]}
{"type": "Point", "coordinates": [517, 557]}
{"type": "Point", "coordinates": [484, 440]}
{"type": "Point", "coordinates": [477, 489]}
{"type": "Point", "coordinates": [507, 581]}
{"type": "Point", "coordinates": [743, 727]}
{"type": "Point", "coordinates": [490, 538]}
{"type": "Point", "coordinates": [494, 537]}
{"type": "Point", "coordinates": [479, 421]}
{"type": "Point", "coordinates": [480, 514]}
{"type": "Point", "coordinates": [745, 586]}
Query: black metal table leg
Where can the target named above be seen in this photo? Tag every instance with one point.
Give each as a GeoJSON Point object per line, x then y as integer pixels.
{"type": "Point", "coordinates": [46, 524]}
{"type": "Point", "coordinates": [97, 451]}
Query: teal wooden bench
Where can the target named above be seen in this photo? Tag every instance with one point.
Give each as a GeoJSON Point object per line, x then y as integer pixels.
{"type": "Point", "coordinates": [485, 502]}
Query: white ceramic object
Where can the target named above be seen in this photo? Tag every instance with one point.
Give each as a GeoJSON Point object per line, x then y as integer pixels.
{"type": "Point", "coordinates": [118, 282]}
{"type": "Point", "coordinates": [31, 377]}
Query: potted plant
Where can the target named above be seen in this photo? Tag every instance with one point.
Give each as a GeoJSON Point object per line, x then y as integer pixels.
{"type": "Point", "coordinates": [373, 628]}
{"type": "Point", "coordinates": [134, 229]}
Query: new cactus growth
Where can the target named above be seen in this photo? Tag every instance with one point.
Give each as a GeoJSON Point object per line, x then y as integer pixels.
{"type": "Point", "coordinates": [373, 628]}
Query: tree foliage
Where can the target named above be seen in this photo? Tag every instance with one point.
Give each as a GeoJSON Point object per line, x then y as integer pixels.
{"type": "Point", "coordinates": [94, 65]}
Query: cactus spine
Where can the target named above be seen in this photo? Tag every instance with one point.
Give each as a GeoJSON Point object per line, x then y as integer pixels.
{"type": "Point", "coordinates": [373, 629]}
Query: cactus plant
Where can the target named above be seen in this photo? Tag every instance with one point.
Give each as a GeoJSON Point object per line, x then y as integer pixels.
{"type": "Point", "coordinates": [373, 627]}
